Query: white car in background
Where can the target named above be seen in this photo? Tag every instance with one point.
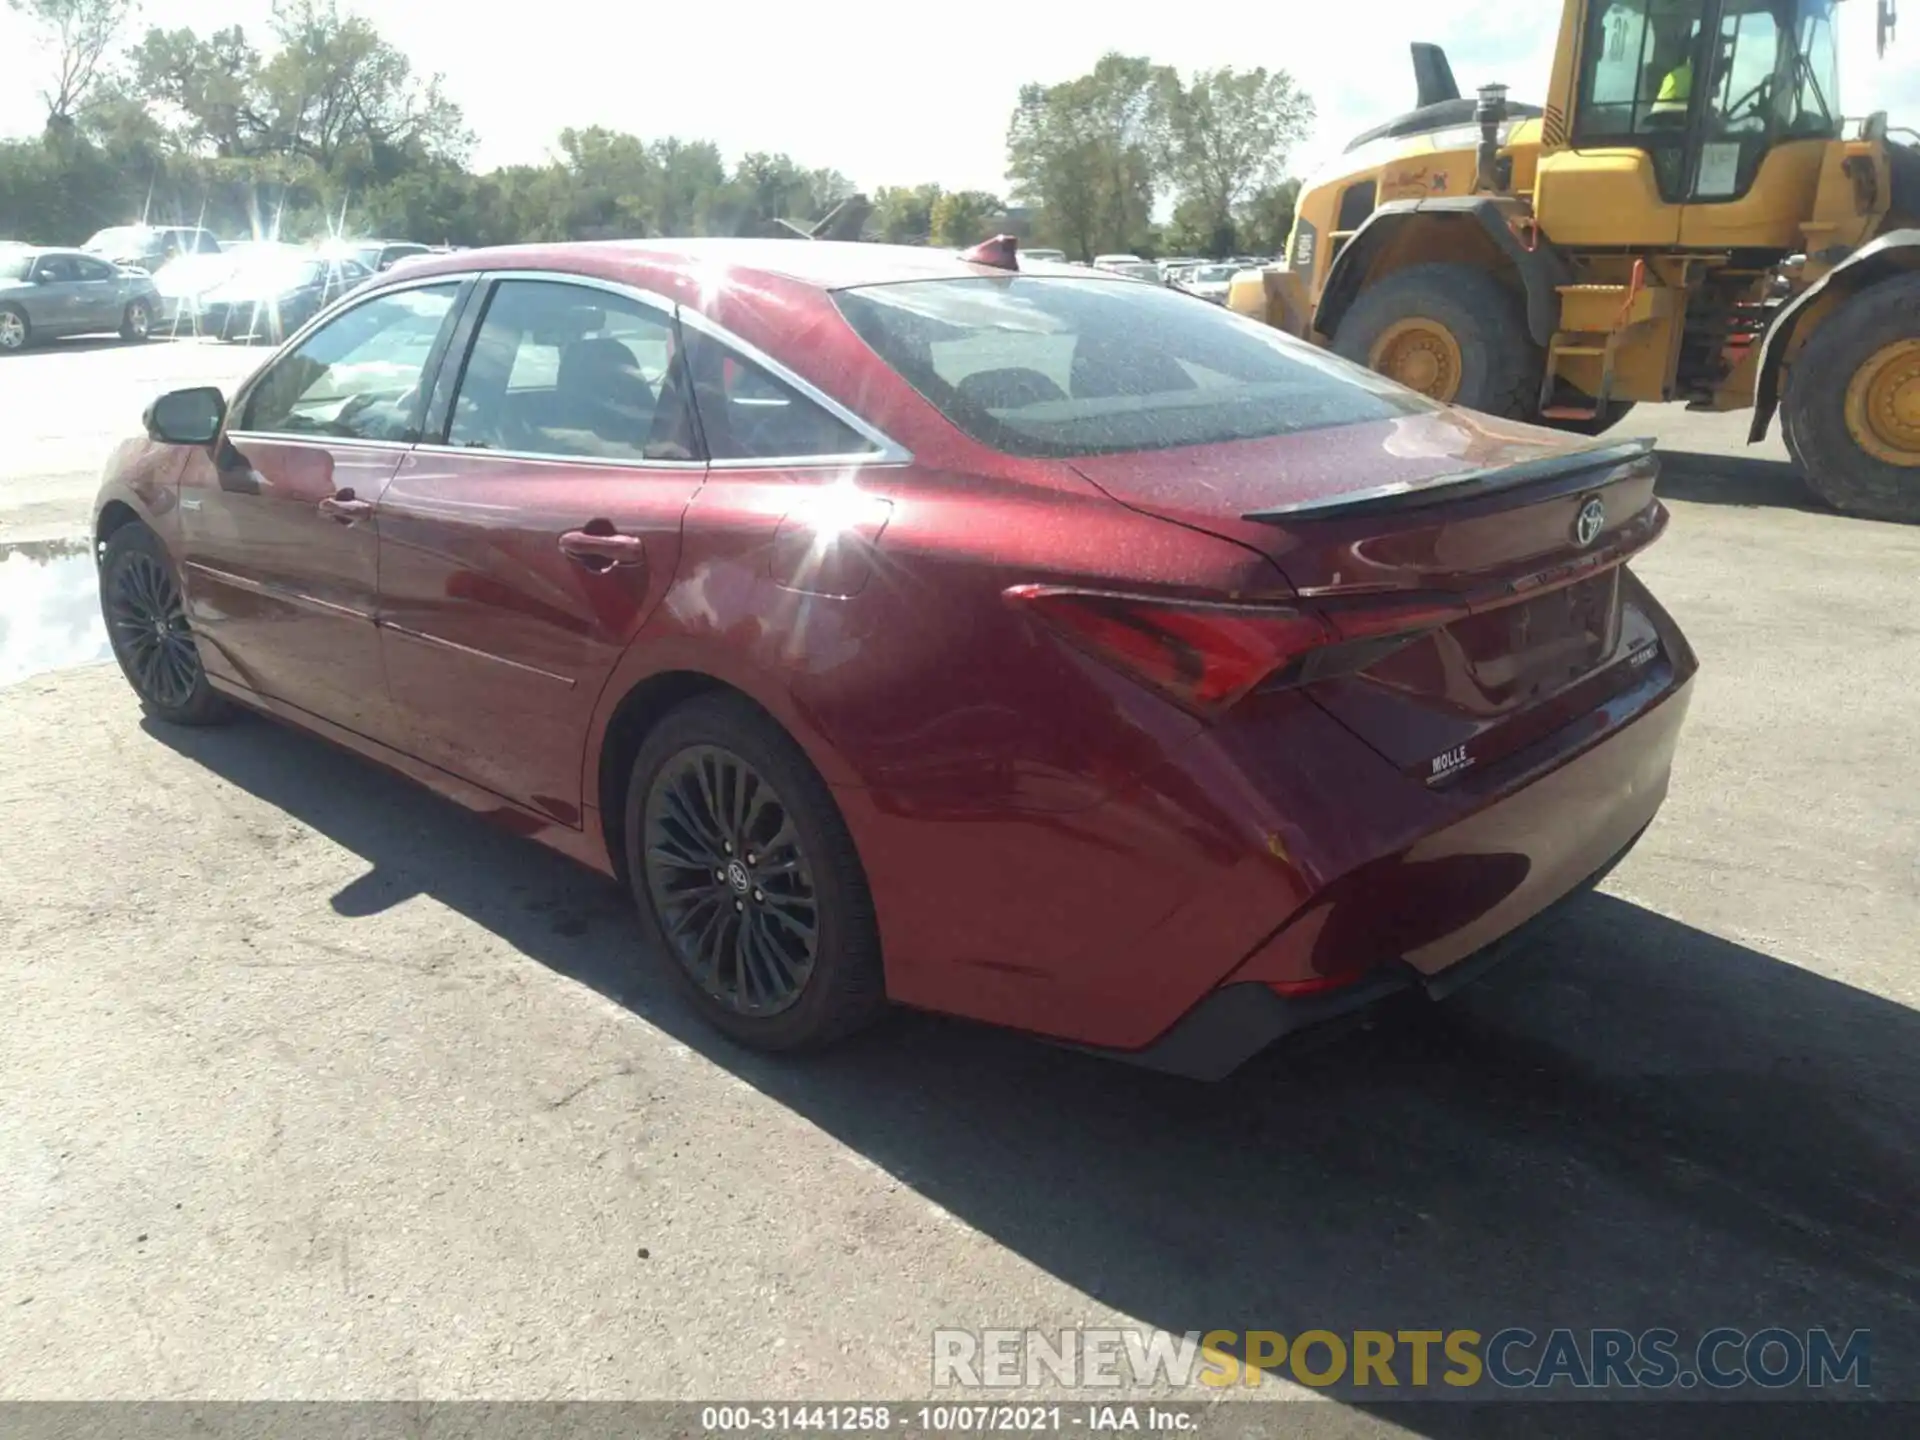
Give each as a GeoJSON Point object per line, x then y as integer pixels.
{"type": "Point", "coordinates": [183, 280]}
{"type": "Point", "coordinates": [1209, 282]}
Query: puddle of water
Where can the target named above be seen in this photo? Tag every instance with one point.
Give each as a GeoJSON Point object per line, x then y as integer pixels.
{"type": "Point", "coordinates": [49, 609]}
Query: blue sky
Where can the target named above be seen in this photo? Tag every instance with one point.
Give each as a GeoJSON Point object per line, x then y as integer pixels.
{"type": "Point", "coordinates": [888, 99]}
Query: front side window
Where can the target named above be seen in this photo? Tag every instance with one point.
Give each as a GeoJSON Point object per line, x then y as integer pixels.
{"type": "Point", "coordinates": [357, 377]}
{"type": "Point", "coordinates": [1063, 367]}
{"type": "Point", "coordinates": [748, 414]}
{"type": "Point", "coordinates": [56, 270]}
{"type": "Point", "coordinates": [572, 372]}
{"type": "Point", "coordinates": [1637, 75]}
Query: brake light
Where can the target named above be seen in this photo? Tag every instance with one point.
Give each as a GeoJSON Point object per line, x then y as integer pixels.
{"type": "Point", "coordinates": [1206, 657]}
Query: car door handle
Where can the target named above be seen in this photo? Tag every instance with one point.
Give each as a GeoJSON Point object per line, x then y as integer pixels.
{"type": "Point", "coordinates": [344, 508]}
{"type": "Point", "coordinates": [600, 552]}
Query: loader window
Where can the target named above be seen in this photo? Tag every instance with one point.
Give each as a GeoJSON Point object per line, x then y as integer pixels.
{"type": "Point", "coordinates": [1635, 79]}
{"type": "Point", "coordinates": [1707, 87]}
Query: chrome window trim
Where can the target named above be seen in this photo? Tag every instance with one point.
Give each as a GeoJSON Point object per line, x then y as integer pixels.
{"type": "Point", "coordinates": [889, 451]}
{"type": "Point", "coordinates": [530, 457]}
{"type": "Point", "coordinates": [329, 313]}
{"type": "Point", "coordinates": [319, 442]}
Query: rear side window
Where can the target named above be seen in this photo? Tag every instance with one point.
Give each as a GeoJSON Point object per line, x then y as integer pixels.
{"type": "Point", "coordinates": [748, 414]}
{"type": "Point", "coordinates": [1058, 367]}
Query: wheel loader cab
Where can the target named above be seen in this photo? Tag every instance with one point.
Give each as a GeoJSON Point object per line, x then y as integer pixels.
{"type": "Point", "coordinates": [1693, 123]}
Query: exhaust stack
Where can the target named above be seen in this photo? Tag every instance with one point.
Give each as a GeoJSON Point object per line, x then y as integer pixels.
{"type": "Point", "coordinates": [1490, 114]}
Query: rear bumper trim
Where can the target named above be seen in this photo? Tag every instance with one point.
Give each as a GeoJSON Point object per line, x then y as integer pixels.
{"type": "Point", "coordinates": [1237, 1021]}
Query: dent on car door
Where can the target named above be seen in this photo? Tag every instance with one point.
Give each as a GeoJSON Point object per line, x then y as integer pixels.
{"type": "Point", "coordinates": [525, 544]}
{"type": "Point", "coordinates": [279, 521]}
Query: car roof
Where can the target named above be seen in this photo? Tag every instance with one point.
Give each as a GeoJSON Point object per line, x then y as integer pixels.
{"type": "Point", "coordinates": [821, 264]}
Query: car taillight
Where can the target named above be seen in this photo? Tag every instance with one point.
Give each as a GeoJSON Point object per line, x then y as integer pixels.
{"type": "Point", "coordinates": [1205, 656]}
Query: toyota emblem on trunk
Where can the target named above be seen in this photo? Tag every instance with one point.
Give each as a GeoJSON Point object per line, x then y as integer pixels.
{"type": "Point", "coordinates": [1592, 520]}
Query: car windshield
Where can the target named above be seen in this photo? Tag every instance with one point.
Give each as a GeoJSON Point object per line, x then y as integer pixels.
{"type": "Point", "coordinates": [1067, 366]}
{"type": "Point", "coordinates": [1212, 273]}
{"type": "Point", "coordinates": [14, 265]}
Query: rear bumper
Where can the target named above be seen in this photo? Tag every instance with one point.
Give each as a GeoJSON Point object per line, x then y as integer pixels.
{"type": "Point", "coordinates": [1242, 1018]}
{"type": "Point", "coordinates": [1437, 914]}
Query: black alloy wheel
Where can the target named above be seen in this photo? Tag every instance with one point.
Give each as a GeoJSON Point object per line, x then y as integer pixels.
{"type": "Point", "coordinates": [147, 627]}
{"type": "Point", "coordinates": [730, 881]}
{"type": "Point", "coordinates": [742, 866]}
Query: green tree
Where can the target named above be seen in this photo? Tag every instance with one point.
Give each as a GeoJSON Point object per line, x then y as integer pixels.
{"type": "Point", "coordinates": [964, 217]}
{"type": "Point", "coordinates": [903, 214]}
{"type": "Point", "coordinates": [342, 96]}
{"type": "Point", "coordinates": [79, 34]}
{"type": "Point", "coordinates": [1087, 153]}
{"type": "Point", "coordinates": [1265, 218]}
{"type": "Point", "coordinates": [208, 87]}
{"type": "Point", "coordinates": [1228, 136]}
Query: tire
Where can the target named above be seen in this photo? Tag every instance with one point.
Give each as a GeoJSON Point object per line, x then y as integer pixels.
{"type": "Point", "coordinates": [1837, 466]}
{"type": "Point", "coordinates": [1499, 364]}
{"type": "Point", "coordinates": [1612, 415]}
{"type": "Point", "coordinates": [139, 594]}
{"type": "Point", "coordinates": [830, 990]}
{"type": "Point", "coordinates": [16, 332]}
{"type": "Point", "coordinates": [137, 323]}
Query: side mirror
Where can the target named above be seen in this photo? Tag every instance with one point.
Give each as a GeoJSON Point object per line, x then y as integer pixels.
{"type": "Point", "coordinates": [187, 417]}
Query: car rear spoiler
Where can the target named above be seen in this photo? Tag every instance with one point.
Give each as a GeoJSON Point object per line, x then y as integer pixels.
{"type": "Point", "coordinates": [1551, 475]}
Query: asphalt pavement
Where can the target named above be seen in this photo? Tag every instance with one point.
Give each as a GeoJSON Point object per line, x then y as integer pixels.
{"type": "Point", "coordinates": [315, 1087]}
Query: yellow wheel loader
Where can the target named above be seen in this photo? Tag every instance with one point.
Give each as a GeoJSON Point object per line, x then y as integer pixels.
{"type": "Point", "coordinates": [1688, 217]}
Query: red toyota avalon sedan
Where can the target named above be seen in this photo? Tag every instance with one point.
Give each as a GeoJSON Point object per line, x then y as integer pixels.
{"type": "Point", "coordinates": [1021, 643]}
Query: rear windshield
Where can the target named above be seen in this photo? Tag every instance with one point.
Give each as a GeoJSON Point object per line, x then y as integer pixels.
{"type": "Point", "coordinates": [1068, 366]}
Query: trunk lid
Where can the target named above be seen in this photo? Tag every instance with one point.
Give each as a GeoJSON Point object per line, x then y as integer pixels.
{"type": "Point", "coordinates": [1471, 568]}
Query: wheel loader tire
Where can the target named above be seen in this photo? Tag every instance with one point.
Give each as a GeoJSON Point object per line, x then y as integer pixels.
{"type": "Point", "coordinates": [1851, 416]}
{"type": "Point", "coordinates": [1455, 323]}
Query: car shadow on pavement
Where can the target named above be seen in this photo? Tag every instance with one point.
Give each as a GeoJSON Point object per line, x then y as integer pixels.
{"type": "Point", "coordinates": [1640, 1124]}
{"type": "Point", "coordinates": [1735, 480]}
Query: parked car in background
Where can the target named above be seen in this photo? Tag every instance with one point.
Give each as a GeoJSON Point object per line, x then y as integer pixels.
{"type": "Point", "coordinates": [874, 614]}
{"type": "Point", "coordinates": [1107, 262]}
{"type": "Point", "coordinates": [273, 291]}
{"type": "Point", "coordinates": [183, 281]}
{"type": "Point", "coordinates": [376, 255]}
{"type": "Point", "coordinates": [1051, 257]}
{"type": "Point", "coordinates": [46, 293]}
{"type": "Point", "coordinates": [1209, 282]}
{"type": "Point", "coordinates": [150, 246]}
